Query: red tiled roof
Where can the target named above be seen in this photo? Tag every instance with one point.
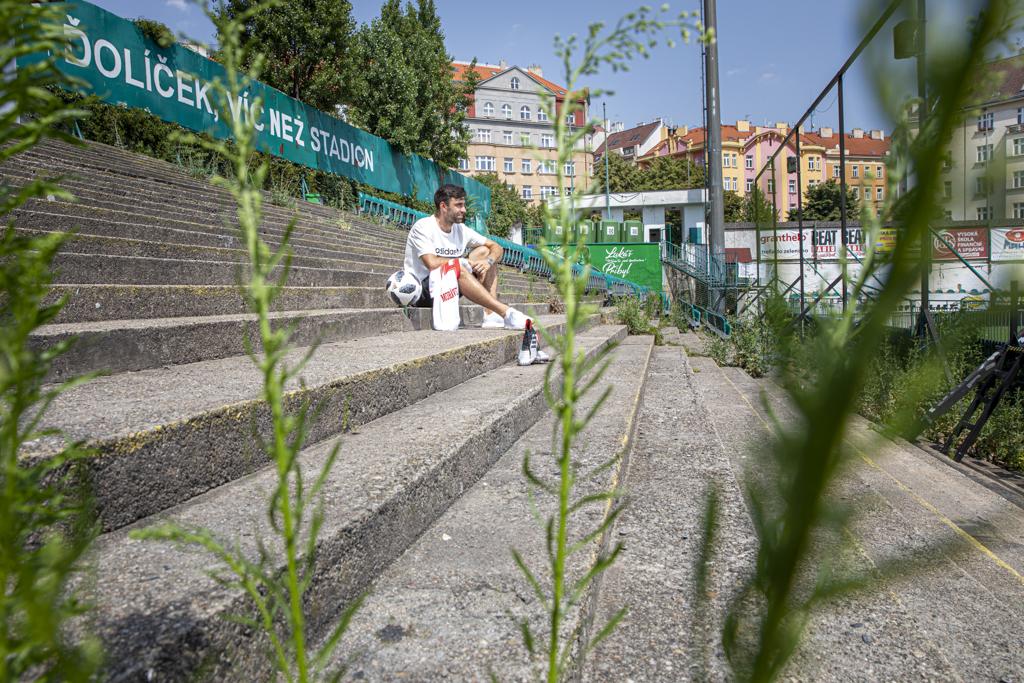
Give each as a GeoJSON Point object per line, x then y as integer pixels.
{"type": "Point", "coordinates": [628, 138]}
{"type": "Point", "coordinates": [865, 146]}
{"type": "Point", "coordinates": [484, 72]}
{"type": "Point", "coordinates": [1008, 77]}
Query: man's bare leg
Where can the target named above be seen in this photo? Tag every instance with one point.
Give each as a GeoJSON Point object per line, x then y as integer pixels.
{"type": "Point", "coordinates": [490, 280]}
{"type": "Point", "coordinates": [475, 291]}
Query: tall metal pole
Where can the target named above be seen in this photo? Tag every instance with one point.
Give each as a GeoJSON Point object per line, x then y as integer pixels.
{"type": "Point", "coordinates": [716, 231]}
{"type": "Point", "coordinates": [607, 134]}
{"type": "Point", "coordinates": [775, 224]}
{"type": "Point", "coordinates": [842, 185]}
{"type": "Point", "coordinates": [800, 224]}
{"type": "Point", "coordinates": [922, 326]}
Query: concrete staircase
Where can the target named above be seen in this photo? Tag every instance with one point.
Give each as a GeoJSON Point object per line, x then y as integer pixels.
{"type": "Point", "coordinates": [151, 280]}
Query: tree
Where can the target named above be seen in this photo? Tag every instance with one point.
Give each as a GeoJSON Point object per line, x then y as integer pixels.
{"type": "Point", "coordinates": [507, 207]}
{"type": "Point", "coordinates": [821, 203]}
{"type": "Point", "coordinates": [307, 45]}
{"type": "Point", "coordinates": [622, 175]}
{"type": "Point", "coordinates": [671, 173]}
{"type": "Point", "coordinates": [733, 205]}
{"type": "Point", "coordinates": [403, 90]}
{"type": "Point", "coordinates": [757, 208]}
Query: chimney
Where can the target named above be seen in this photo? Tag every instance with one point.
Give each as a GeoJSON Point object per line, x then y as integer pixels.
{"type": "Point", "coordinates": [502, 64]}
{"type": "Point", "coordinates": [682, 130]}
{"type": "Point", "coordinates": [858, 133]}
{"type": "Point", "coordinates": [781, 125]}
{"type": "Point", "coordinates": [536, 70]}
{"type": "Point", "coordinates": [743, 126]}
{"type": "Point", "coordinates": [825, 132]}
{"type": "Point", "coordinates": [877, 135]}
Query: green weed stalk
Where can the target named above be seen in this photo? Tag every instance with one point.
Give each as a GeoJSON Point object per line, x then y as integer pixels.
{"type": "Point", "coordinates": [295, 506]}
{"type": "Point", "coordinates": [793, 511]}
{"type": "Point", "coordinates": [633, 35]}
{"type": "Point", "coordinates": [46, 520]}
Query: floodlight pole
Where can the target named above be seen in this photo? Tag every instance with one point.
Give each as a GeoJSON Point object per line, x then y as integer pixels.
{"type": "Point", "coordinates": [716, 229]}
{"type": "Point", "coordinates": [607, 134]}
{"type": "Point", "coordinates": [922, 114]}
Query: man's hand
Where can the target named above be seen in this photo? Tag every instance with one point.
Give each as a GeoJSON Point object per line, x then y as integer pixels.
{"type": "Point", "coordinates": [480, 268]}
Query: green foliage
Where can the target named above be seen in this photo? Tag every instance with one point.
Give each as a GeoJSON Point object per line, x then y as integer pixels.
{"type": "Point", "coordinates": [821, 203]}
{"type": "Point", "coordinates": [799, 525]}
{"type": "Point", "coordinates": [402, 87]}
{"type": "Point", "coordinates": [750, 346]}
{"type": "Point", "coordinates": [308, 46]}
{"type": "Point", "coordinates": [758, 209]}
{"type": "Point", "coordinates": [623, 176]}
{"type": "Point", "coordinates": [156, 31]}
{"type": "Point", "coordinates": [632, 35]}
{"type": "Point", "coordinates": [46, 521]}
{"type": "Point", "coordinates": [295, 506]}
{"type": "Point", "coordinates": [661, 173]}
{"type": "Point", "coordinates": [631, 312]}
{"type": "Point", "coordinates": [507, 207]}
{"type": "Point", "coordinates": [733, 205]}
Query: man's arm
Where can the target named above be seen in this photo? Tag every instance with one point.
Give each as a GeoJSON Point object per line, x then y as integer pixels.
{"type": "Point", "coordinates": [433, 261]}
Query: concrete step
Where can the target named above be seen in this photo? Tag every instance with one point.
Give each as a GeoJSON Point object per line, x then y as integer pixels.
{"type": "Point", "coordinates": [130, 345]}
{"type": "Point", "coordinates": [956, 616]}
{"type": "Point", "coordinates": [159, 612]}
{"type": "Point", "coordinates": [450, 607]}
{"type": "Point", "coordinates": [171, 186]}
{"type": "Point", "coordinates": [168, 434]}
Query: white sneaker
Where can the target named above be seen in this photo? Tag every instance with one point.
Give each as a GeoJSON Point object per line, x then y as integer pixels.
{"type": "Point", "coordinates": [514, 320]}
{"type": "Point", "coordinates": [492, 321]}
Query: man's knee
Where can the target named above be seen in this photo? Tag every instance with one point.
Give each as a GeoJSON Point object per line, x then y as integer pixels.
{"type": "Point", "coordinates": [479, 254]}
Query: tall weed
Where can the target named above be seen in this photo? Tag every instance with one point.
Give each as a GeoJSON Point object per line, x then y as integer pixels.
{"type": "Point", "coordinates": [46, 521]}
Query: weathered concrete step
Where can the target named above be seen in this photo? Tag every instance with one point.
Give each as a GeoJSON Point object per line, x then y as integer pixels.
{"type": "Point", "coordinates": [450, 607]}
{"type": "Point", "coordinates": [956, 616]}
{"type": "Point", "coordinates": [165, 435]}
{"type": "Point", "coordinates": [132, 345]}
{"type": "Point", "coordinates": [91, 303]}
{"type": "Point", "coordinates": [158, 609]}
{"type": "Point", "coordinates": [68, 217]}
{"type": "Point", "coordinates": [166, 187]}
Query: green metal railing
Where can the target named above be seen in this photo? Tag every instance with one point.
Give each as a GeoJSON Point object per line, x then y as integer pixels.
{"type": "Point", "coordinates": [389, 211]}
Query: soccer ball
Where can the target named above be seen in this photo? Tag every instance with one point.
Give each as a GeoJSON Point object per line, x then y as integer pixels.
{"type": "Point", "coordinates": [403, 288]}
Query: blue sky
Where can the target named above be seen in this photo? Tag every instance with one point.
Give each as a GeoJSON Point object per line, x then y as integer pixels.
{"type": "Point", "coordinates": [774, 56]}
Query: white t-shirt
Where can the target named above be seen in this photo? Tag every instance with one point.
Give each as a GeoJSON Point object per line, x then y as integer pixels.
{"type": "Point", "coordinates": [427, 237]}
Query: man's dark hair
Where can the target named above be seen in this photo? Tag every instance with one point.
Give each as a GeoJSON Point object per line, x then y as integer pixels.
{"type": "Point", "coordinates": [446, 192]}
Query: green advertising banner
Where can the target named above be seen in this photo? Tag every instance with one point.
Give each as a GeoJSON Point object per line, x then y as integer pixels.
{"type": "Point", "coordinates": [121, 66]}
{"type": "Point", "coordinates": [639, 263]}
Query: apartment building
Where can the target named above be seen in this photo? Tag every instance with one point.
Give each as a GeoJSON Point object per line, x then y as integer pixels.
{"type": "Point", "coordinates": [983, 174]}
{"type": "Point", "coordinates": [513, 136]}
{"type": "Point", "coordinates": [632, 143]}
{"type": "Point", "coordinates": [746, 148]}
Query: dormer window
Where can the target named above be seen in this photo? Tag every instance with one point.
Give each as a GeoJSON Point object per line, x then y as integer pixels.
{"type": "Point", "coordinates": [488, 109]}
{"type": "Point", "coordinates": [514, 83]}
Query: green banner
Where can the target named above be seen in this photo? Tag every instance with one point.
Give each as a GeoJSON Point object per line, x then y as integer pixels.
{"type": "Point", "coordinates": [123, 67]}
{"type": "Point", "coordinates": [639, 263]}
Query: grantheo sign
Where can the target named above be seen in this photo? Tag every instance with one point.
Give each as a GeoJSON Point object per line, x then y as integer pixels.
{"type": "Point", "coordinates": [121, 66]}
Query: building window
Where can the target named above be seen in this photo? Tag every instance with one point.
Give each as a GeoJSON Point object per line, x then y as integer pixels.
{"type": "Point", "coordinates": [548, 166]}
{"type": "Point", "coordinates": [524, 113]}
{"type": "Point", "coordinates": [483, 135]}
{"type": "Point", "coordinates": [570, 168]}
{"type": "Point", "coordinates": [856, 193]}
{"type": "Point", "coordinates": [568, 191]}
{"type": "Point", "coordinates": [750, 185]}
{"type": "Point", "coordinates": [813, 163]}
{"type": "Point", "coordinates": [506, 111]}
{"type": "Point", "coordinates": [548, 191]}
{"type": "Point", "coordinates": [878, 171]}
{"type": "Point", "coordinates": [981, 186]}
{"type": "Point", "coordinates": [792, 187]}
{"type": "Point", "coordinates": [835, 171]}
{"type": "Point", "coordinates": [527, 192]}
{"type": "Point", "coordinates": [812, 182]}
{"type": "Point", "coordinates": [986, 121]}
{"type": "Point", "coordinates": [748, 161]}
{"type": "Point", "coordinates": [541, 114]}
{"type": "Point", "coordinates": [984, 153]}
{"type": "Point", "coordinates": [878, 194]}
{"type": "Point", "coordinates": [947, 214]}
{"type": "Point", "coordinates": [485, 164]}
{"type": "Point", "coordinates": [509, 168]}
{"type": "Point", "coordinates": [506, 137]}
{"type": "Point", "coordinates": [984, 213]}
{"type": "Point", "coordinates": [1018, 146]}
{"type": "Point", "coordinates": [1018, 209]}
{"type": "Point", "coordinates": [524, 139]}
{"type": "Point", "coordinates": [947, 190]}
{"type": "Point", "coordinates": [1020, 115]}
{"type": "Point", "coordinates": [570, 118]}
{"type": "Point", "coordinates": [527, 166]}
{"type": "Point", "coordinates": [547, 140]}
{"type": "Point", "coordinates": [855, 171]}
{"type": "Point", "coordinates": [514, 83]}
{"type": "Point", "coordinates": [488, 109]}
{"type": "Point", "coordinates": [947, 163]}
{"type": "Point", "coordinates": [771, 186]}
{"type": "Point", "coordinates": [463, 164]}
{"type": "Point", "coordinates": [1018, 179]}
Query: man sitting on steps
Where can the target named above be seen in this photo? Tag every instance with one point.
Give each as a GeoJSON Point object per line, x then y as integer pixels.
{"type": "Point", "coordinates": [436, 239]}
